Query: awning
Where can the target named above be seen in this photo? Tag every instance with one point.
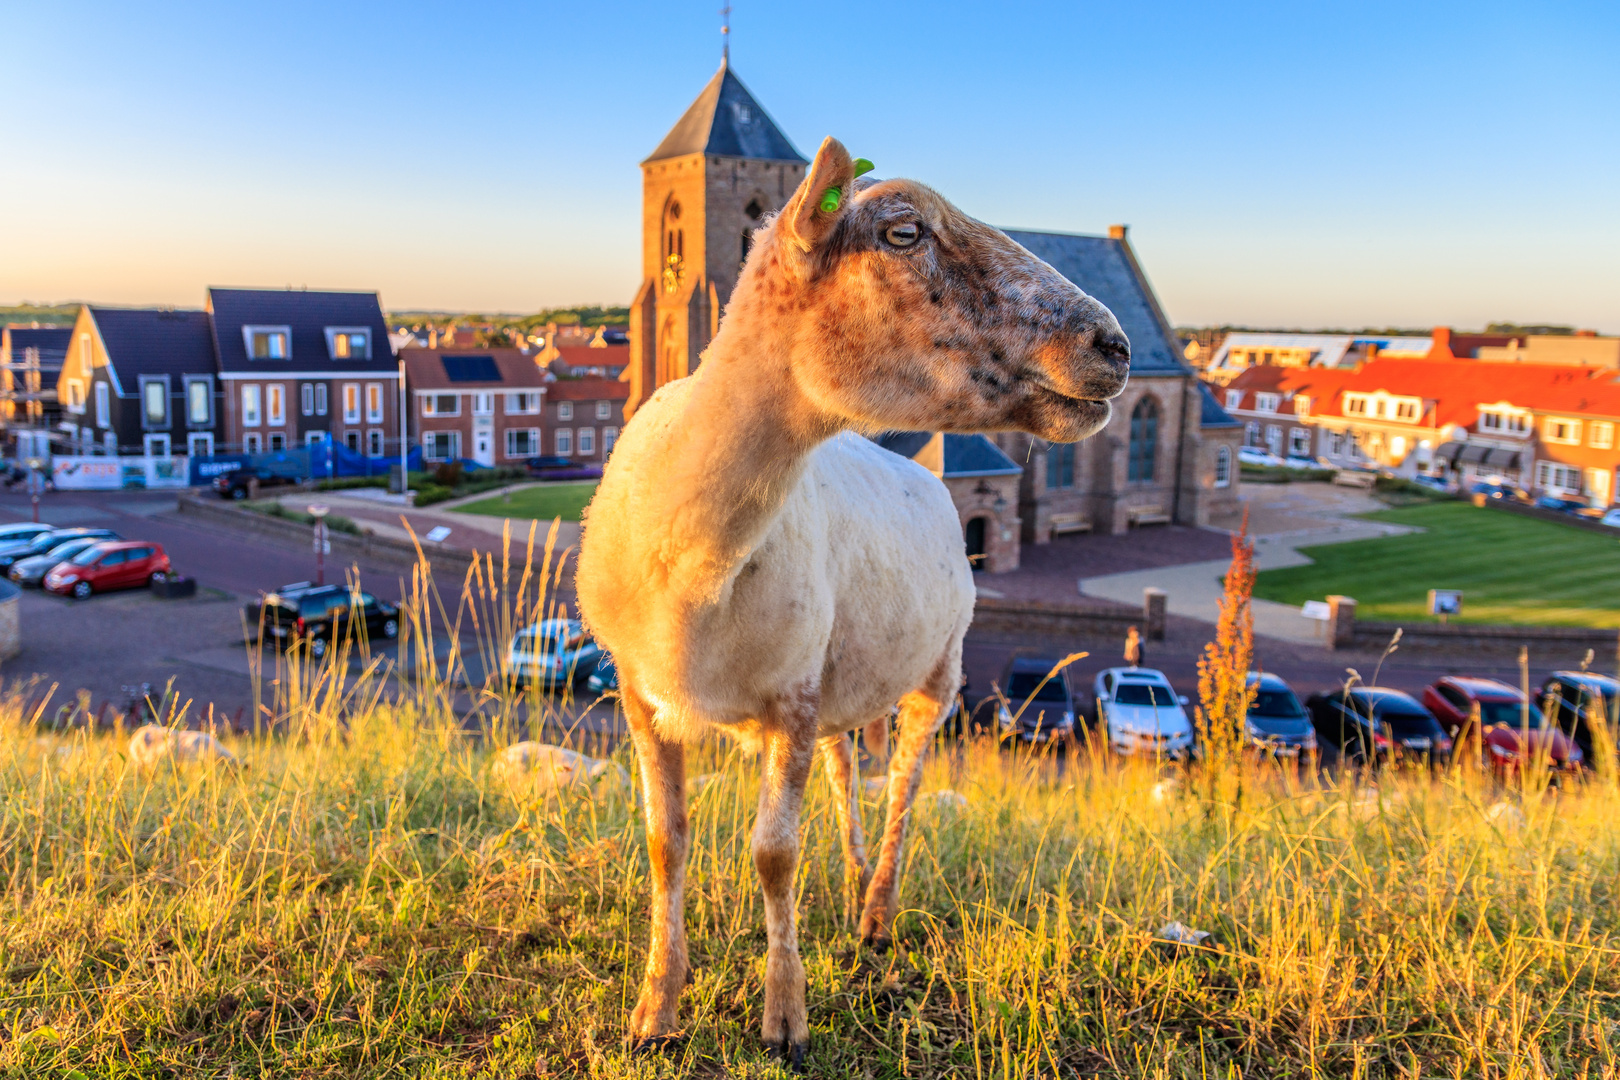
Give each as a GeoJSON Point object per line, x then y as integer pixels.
{"type": "Point", "coordinates": [1472, 454]}
{"type": "Point", "coordinates": [1502, 459]}
{"type": "Point", "coordinates": [1448, 452]}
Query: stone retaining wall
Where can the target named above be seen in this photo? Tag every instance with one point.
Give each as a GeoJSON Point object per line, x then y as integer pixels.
{"type": "Point", "coordinates": [1022, 617]}
{"type": "Point", "coordinates": [1375, 635]}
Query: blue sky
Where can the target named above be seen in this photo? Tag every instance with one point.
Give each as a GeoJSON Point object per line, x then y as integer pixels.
{"type": "Point", "coordinates": [1310, 164]}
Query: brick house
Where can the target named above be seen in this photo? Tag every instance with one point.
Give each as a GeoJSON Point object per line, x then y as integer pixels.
{"type": "Point", "coordinates": [481, 404]}
{"type": "Point", "coordinates": [299, 366]}
{"type": "Point", "coordinates": [584, 417]}
{"type": "Point", "coordinates": [139, 381]}
{"type": "Point", "coordinates": [983, 482]}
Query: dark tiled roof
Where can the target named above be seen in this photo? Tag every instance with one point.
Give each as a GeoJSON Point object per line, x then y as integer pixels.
{"type": "Point", "coordinates": [429, 369]}
{"type": "Point", "coordinates": [905, 443]}
{"type": "Point", "coordinates": [142, 341]}
{"type": "Point", "coordinates": [726, 119]}
{"type": "Point", "coordinates": [1210, 413]}
{"type": "Point", "coordinates": [965, 455]}
{"type": "Point", "coordinates": [309, 314]}
{"type": "Point", "coordinates": [51, 341]}
{"type": "Point", "coordinates": [587, 390]}
{"type": "Point", "coordinates": [1102, 267]}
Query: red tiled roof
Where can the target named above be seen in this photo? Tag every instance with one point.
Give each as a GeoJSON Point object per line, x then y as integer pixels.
{"type": "Point", "coordinates": [600, 356]}
{"type": "Point", "coordinates": [587, 389]}
{"type": "Point", "coordinates": [1321, 385]}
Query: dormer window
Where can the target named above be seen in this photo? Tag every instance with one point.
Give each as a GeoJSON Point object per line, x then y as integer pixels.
{"type": "Point", "coordinates": [268, 342]}
{"type": "Point", "coordinates": [1267, 402]}
{"type": "Point", "coordinates": [745, 114]}
{"type": "Point", "coordinates": [1302, 405]}
{"type": "Point", "coordinates": [348, 342]}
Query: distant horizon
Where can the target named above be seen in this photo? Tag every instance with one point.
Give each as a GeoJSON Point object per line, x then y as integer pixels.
{"type": "Point", "coordinates": [1389, 164]}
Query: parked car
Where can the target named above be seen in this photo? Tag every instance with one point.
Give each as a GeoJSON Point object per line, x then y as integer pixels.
{"type": "Point", "coordinates": [553, 654]}
{"type": "Point", "coordinates": [1497, 491]}
{"type": "Point", "coordinates": [43, 542]}
{"type": "Point", "coordinates": [1036, 709]}
{"type": "Point", "coordinates": [1512, 728]}
{"type": "Point", "coordinates": [321, 614]}
{"type": "Point", "coordinates": [1141, 714]}
{"type": "Point", "coordinates": [234, 484]}
{"type": "Point", "coordinates": [1277, 723]}
{"type": "Point", "coordinates": [1577, 700]}
{"type": "Point", "coordinates": [605, 677]}
{"type": "Point", "coordinates": [1611, 518]}
{"type": "Point", "coordinates": [1436, 483]}
{"type": "Point", "coordinates": [19, 531]}
{"type": "Point", "coordinates": [1253, 455]}
{"type": "Point", "coordinates": [109, 565]}
{"type": "Point", "coordinates": [1561, 504]}
{"type": "Point", "coordinates": [1365, 723]}
{"type": "Point", "coordinates": [32, 570]}
{"type": "Point", "coordinates": [561, 468]}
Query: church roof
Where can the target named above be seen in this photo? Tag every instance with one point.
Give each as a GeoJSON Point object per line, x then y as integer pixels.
{"type": "Point", "coordinates": [726, 120]}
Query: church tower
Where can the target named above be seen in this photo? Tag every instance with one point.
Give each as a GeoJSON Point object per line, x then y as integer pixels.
{"type": "Point", "coordinates": [721, 169]}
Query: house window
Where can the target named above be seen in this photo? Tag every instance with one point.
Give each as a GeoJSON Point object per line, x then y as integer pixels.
{"type": "Point", "coordinates": [1406, 410]}
{"type": "Point", "coordinates": [564, 441]}
{"type": "Point", "coordinates": [1060, 466]}
{"type": "Point", "coordinates": [441, 445]}
{"type": "Point", "coordinates": [1554, 477]}
{"type": "Point", "coordinates": [314, 438]}
{"type": "Point", "coordinates": [374, 442]}
{"type": "Point", "coordinates": [351, 405]}
{"type": "Point", "coordinates": [85, 353]}
{"type": "Point", "coordinates": [524, 404]}
{"type": "Point", "coordinates": [610, 435]}
{"type": "Point", "coordinates": [250, 406]}
{"type": "Point", "coordinates": [1355, 405]}
{"type": "Point", "coordinates": [604, 410]}
{"type": "Point", "coordinates": [252, 443]}
{"type": "Point", "coordinates": [441, 405]}
{"type": "Point", "coordinates": [200, 444]}
{"type": "Point", "coordinates": [75, 389]}
{"type": "Point", "coordinates": [352, 344]}
{"type": "Point", "coordinates": [268, 342]}
{"type": "Point", "coordinates": [1504, 423]}
{"type": "Point", "coordinates": [1302, 405]}
{"type": "Point", "coordinates": [1557, 429]}
{"type": "Point", "coordinates": [1602, 437]}
{"type": "Point", "coordinates": [1251, 435]}
{"type": "Point", "coordinates": [278, 442]}
{"type": "Point", "coordinates": [522, 442]}
{"type": "Point", "coordinates": [1266, 402]}
{"type": "Point", "coordinates": [1223, 466]}
{"type": "Point", "coordinates": [587, 441]}
{"type": "Point", "coordinates": [155, 402]}
{"type": "Point", "coordinates": [156, 446]}
{"type": "Point", "coordinates": [483, 404]}
{"type": "Point", "coordinates": [1335, 443]}
{"type": "Point", "coordinates": [565, 410]}
{"type": "Point", "coordinates": [351, 439]}
{"type": "Point", "coordinates": [1274, 438]}
{"type": "Point", "coordinates": [1597, 485]}
{"type": "Point", "coordinates": [199, 396]}
{"type": "Point", "coordinates": [275, 400]}
{"type": "Point", "coordinates": [306, 399]}
{"type": "Point", "coordinates": [320, 399]}
{"type": "Point", "coordinates": [1299, 442]}
{"type": "Point", "coordinates": [1234, 399]}
{"type": "Point", "coordinates": [374, 403]}
{"type": "Point", "coordinates": [1144, 446]}
{"type": "Point", "coordinates": [103, 405]}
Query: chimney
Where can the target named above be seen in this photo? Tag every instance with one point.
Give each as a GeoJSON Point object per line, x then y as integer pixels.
{"type": "Point", "coordinates": [1117, 232]}
{"type": "Point", "coordinates": [1442, 336]}
{"type": "Point", "coordinates": [1586, 333]}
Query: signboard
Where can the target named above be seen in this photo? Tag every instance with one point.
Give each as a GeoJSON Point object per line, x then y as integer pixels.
{"type": "Point", "coordinates": [1445, 603]}
{"type": "Point", "coordinates": [438, 534]}
{"type": "Point", "coordinates": [1316, 609]}
{"type": "Point", "coordinates": [115, 473]}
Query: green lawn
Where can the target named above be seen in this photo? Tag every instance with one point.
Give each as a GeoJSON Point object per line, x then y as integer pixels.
{"type": "Point", "coordinates": [541, 502]}
{"type": "Point", "coordinates": [1511, 569]}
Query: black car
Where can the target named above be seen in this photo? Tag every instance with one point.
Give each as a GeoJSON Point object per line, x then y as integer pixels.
{"type": "Point", "coordinates": [1277, 723]}
{"type": "Point", "coordinates": [1365, 723]}
{"type": "Point", "coordinates": [1579, 700]}
{"type": "Point", "coordinates": [1500, 492]}
{"type": "Point", "coordinates": [561, 468]}
{"type": "Point", "coordinates": [42, 543]}
{"type": "Point", "coordinates": [1037, 709]}
{"type": "Point", "coordinates": [320, 614]}
{"type": "Point", "coordinates": [234, 484]}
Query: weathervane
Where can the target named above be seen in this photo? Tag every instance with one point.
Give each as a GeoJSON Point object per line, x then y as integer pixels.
{"type": "Point", "coordinates": [725, 33]}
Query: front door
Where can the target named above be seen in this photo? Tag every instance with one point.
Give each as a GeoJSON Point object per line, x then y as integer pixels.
{"type": "Point", "coordinates": [484, 446]}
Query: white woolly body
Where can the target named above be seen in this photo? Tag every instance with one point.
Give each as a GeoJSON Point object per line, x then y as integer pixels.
{"type": "Point", "coordinates": [858, 588]}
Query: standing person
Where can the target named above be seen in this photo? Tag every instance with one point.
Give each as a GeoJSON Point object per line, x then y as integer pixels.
{"type": "Point", "coordinates": [1133, 647]}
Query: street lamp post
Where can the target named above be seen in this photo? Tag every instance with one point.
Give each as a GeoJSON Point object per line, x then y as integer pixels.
{"type": "Point", "coordinates": [404, 445]}
{"type": "Point", "coordinates": [321, 543]}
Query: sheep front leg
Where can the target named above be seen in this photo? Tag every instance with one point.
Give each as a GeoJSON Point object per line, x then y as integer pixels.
{"type": "Point", "coordinates": [790, 748]}
{"type": "Point", "coordinates": [663, 778]}
{"type": "Point", "coordinates": [838, 755]}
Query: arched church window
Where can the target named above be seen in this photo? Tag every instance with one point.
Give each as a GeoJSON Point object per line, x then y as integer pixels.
{"type": "Point", "coordinates": [1144, 448]}
{"type": "Point", "coordinates": [680, 242]}
{"type": "Point", "coordinates": [1223, 467]}
{"type": "Point", "coordinates": [1060, 466]}
{"type": "Point", "coordinates": [754, 210]}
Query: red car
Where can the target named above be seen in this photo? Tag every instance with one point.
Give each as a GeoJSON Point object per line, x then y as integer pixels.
{"type": "Point", "coordinates": [122, 564]}
{"type": "Point", "coordinates": [1503, 715]}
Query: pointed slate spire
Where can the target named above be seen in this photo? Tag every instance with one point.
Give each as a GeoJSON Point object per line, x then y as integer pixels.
{"type": "Point", "coordinates": [726, 120]}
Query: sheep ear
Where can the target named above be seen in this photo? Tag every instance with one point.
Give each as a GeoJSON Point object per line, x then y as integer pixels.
{"type": "Point", "coordinates": [816, 206]}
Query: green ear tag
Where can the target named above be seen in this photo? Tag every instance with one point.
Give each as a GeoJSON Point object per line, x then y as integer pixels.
{"type": "Point", "coordinates": [862, 166]}
{"type": "Point", "coordinates": [830, 200]}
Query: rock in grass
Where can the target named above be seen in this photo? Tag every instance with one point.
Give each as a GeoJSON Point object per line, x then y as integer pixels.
{"type": "Point", "coordinates": [154, 744]}
{"type": "Point", "coordinates": [1505, 815]}
{"type": "Point", "coordinates": [1177, 935]}
{"type": "Point", "coordinates": [545, 767]}
{"type": "Point", "coordinates": [1165, 790]}
{"type": "Point", "coordinates": [945, 799]}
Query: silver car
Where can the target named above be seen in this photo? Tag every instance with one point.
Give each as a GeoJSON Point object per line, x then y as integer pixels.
{"type": "Point", "coordinates": [552, 654]}
{"type": "Point", "coordinates": [32, 570]}
{"type": "Point", "coordinates": [1142, 714]}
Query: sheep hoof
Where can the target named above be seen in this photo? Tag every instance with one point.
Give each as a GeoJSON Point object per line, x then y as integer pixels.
{"type": "Point", "coordinates": [789, 1053]}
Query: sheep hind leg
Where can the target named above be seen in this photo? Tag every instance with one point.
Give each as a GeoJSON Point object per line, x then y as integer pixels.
{"type": "Point", "coordinates": [838, 755]}
{"type": "Point", "coordinates": [921, 713]}
{"type": "Point", "coordinates": [663, 777]}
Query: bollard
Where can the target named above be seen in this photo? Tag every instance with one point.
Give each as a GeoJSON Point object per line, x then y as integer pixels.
{"type": "Point", "coordinates": [1153, 609]}
{"type": "Point", "coordinates": [1341, 622]}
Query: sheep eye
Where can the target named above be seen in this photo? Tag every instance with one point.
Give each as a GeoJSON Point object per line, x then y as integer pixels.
{"type": "Point", "coordinates": [904, 234]}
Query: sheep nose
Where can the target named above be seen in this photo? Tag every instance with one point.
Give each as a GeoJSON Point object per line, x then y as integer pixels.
{"type": "Point", "coordinates": [1115, 347]}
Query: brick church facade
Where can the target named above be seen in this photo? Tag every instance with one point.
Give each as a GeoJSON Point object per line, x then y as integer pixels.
{"type": "Point", "coordinates": [1168, 456]}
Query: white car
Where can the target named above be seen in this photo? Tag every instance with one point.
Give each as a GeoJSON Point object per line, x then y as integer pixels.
{"type": "Point", "coordinates": [1611, 518]}
{"type": "Point", "coordinates": [1141, 713]}
{"type": "Point", "coordinates": [1253, 455]}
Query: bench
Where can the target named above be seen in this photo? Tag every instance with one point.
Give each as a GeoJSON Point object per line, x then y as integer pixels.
{"type": "Point", "coordinates": [1358, 478]}
{"type": "Point", "coordinates": [1068, 523]}
{"type": "Point", "coordinates": [1146, 515]}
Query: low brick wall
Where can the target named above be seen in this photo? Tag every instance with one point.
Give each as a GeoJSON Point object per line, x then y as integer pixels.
{"type": "Point", "coordinates": [1375, 635]}
{"type": "Point", "coordinates": [1526, 510]}
{"type": "Point", "coordinates": [1020, 617]}
{"type": "Point", "coordinates": [450, 564]}
{"type": "Point", "coordinates": [10, 620]}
